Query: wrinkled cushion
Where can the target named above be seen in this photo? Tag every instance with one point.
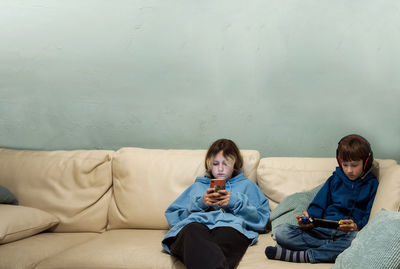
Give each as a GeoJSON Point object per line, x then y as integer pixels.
{"type": "Point", "coordinates": [377, 245]}
{"type": "Point", "coordinates": [18, 222]}
{"type": "Point", "coordinates": [29, 252]}
{"type": "Point", "coordinates": [6, 197]}
{"type": "Point", "coordinates": [388, 193]}
{"type": "Point", "coordinates": [73, 185]}
{"type": "Point", "coordinates": [147, 181]}
{"type": "Point", "coordinates": [294, 204]}
{"type": "Point", "coordinates": [279, 177]}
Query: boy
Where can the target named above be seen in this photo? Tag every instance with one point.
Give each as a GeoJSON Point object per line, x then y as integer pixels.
{"type": "Point", "coordinates": [346, 197]}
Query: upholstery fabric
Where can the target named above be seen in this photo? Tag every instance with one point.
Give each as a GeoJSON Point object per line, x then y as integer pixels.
{"type": "Point", "coordinates": [18, 222]}
{"type": "Point", "coordinates": [388, 193]}
{"type": "Point", "coordinates": [377, 245]}
{"type": "Point", "coordinates": [125, 248]}
{"type": "Point", "coordinates": [279, 177]}
{"type": "Point", "coordinates": [74, 185]}
{"type": "Point", "coordinates": [141, 249]}
{"type": "Point", "coordinates": [27, 253]}
{"type": "Point", "coordinates": [147, 181]}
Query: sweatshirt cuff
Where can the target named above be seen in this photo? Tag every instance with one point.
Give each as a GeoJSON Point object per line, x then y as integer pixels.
{"type": "Point", "coordinates": [232, 200]}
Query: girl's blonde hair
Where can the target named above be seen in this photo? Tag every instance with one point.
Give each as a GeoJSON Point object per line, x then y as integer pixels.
{"type": "Point", "coordinates": [230, 151]}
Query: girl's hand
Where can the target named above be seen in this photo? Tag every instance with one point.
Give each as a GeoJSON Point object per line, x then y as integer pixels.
{"type": "Point", "coordinates": [347, 225]}
{"type": "Point", "coordinates": [300, 222]}
{"type": "Point", "coordinates": [224, 197]}
{"type": "Point", "coordinates": [211, 197]}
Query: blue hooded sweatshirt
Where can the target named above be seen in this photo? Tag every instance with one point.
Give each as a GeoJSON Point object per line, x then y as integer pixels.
{"type": "Point", "coordinates": [342, 198]}
{"type": "Point", "coordinates": [247, 210]}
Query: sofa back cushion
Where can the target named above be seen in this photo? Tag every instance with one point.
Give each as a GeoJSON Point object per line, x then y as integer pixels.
{"type": "Point", "coordinates": [388, 193]}
{"type": "Point", "coordinates": [279, 177]}
{"type": "Point", "coordinates": [147, 181]}
{"type": "Point", "coordinates": [75, 186]}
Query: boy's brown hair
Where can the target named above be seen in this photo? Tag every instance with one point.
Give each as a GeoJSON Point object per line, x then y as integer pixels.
{"type": "Point", "coordinates": [354, 148]}
{"type": "Point", "coordinates": [230, 151]}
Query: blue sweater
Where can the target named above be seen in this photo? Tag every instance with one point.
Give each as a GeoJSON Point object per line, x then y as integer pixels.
{"type": "Point", "coordinates": [342, 198]}
{"type": "Point", "coordinates": [247, 210]}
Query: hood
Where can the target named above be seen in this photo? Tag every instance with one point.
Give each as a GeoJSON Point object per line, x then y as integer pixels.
{"type": "Point", "coordinates": [367, 176]}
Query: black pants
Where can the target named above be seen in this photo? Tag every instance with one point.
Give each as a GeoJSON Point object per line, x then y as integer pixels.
{"type": "Point", "coordinates": [199, 247]}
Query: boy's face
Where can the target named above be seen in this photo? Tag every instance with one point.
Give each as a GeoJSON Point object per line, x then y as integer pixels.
{"type": "Point", "coordinates": [221, 167]}
{"type": "Point", "coordinates": [353, 169]}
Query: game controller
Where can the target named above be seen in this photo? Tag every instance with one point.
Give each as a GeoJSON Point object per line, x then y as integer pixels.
{"type": "Point", "coordinates": [317, 222]}
{"type": "Point", "coordinates": [305, 220]}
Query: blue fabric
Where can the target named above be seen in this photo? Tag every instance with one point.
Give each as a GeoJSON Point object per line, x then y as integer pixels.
{"type": "Point", "coordinates": [320, 244]}
{"type": "Point", "coordinates": [6, 197]}
{"type": "Point", "coordinates": [342, 198]}
{"type": "Point", "coordinates": [247, 210]}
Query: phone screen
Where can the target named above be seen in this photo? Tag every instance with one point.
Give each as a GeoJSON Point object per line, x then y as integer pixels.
{"type": "Point", "coordinates": [217, 184]}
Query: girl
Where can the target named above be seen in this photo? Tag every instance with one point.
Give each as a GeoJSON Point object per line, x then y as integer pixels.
{"type": "Point", "coordinates": [212, 229]}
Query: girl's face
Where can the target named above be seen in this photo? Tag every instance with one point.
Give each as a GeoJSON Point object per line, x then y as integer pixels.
{"type": "Point", "coordinates": [353, 169]}
{"type": "Point", "coordinates": [221, 167]}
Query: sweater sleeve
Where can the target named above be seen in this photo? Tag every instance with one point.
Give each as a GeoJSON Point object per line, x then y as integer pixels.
{"type": "Point", "coordinates": [188, 202]}
{"type": "Point", "coordinates": [254, 212]}
{"type": "Point", "coordinates": [320, 202]}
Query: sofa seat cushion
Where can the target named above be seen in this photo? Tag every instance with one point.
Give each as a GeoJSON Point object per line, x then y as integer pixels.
{"type": "Point", "coordinates": [126, 248]}
{"type": "Point", "coordinates": [147, 181]}
{"type": "Point", "coordinates": [73, 185]}
{"type": "Point", "coordinates": [28, 252]}
{"type": "Point", "coordinates": [18, 222]}
{"type": "Point", "coordinates": [141, 249]}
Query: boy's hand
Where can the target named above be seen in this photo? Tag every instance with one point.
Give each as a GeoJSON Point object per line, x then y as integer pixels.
{"type": "Point", "coordinates": [347, 225]}
{"type": "Point", "coordinates": [304, 225]}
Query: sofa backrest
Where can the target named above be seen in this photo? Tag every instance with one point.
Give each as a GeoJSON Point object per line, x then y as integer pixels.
{"type": "Point", "coordinates": [75, 185]}
{"type": "Point", "coordinates": [147, 181]}
{"type": "Point", "coordinates": [279, 177]}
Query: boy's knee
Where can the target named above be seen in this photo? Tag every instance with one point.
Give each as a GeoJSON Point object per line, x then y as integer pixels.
{"type": "Point", "coordinates": [281, 232]}
{"type": "Point", "coordinates": [284, 233]}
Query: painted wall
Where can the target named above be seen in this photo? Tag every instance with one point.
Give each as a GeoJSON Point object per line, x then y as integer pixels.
{"type": "Point", "coordinates": [288, 78]}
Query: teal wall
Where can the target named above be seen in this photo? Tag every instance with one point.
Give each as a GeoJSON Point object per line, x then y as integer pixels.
{"type": "Point", "coordinates": [288, 78]}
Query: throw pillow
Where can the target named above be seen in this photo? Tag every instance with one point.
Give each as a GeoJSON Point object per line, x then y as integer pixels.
{"type": "Point", "coordinates": [18, 222]}
{"type": "Point", "coordinates": [377, 245]}
{"type": "Point", "coordinates": [6, 197]}
{"type": "Point", "coordinates": [291, 206]}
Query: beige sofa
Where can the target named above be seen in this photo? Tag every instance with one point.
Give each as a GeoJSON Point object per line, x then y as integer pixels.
{"type": "Point", "coordinates": [105, 209]}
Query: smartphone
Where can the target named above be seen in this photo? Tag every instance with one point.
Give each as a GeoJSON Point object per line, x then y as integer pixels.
{"type": "Point", "coordinates": [217, 184]}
